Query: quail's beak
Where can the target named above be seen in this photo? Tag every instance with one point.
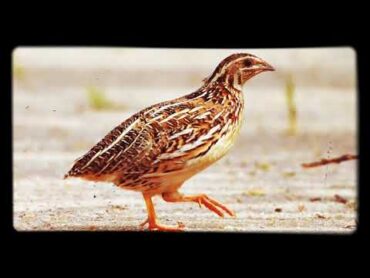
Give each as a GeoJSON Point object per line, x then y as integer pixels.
{"type": "Point", "coordinates": [258, 67]}
{"type": "Point", "coordinates": [266, 67]}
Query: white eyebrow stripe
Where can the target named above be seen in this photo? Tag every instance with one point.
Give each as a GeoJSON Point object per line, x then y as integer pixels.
{"type": "Point", "coordinates": [224, 68]}
{"type": "Point", "coordinates": [249, 68]}
{"type": "Point", "coordinates": [234, 61]}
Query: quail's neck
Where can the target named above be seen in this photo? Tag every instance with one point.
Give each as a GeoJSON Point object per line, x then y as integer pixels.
{"type": "Point", "coordinates": [230, 82]}
{"type": "Point", "coordinates": [234, 87]}
{"type": "Point", "coordinates": [231, 87]}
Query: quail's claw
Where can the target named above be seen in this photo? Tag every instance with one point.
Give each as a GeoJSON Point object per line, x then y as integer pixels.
{"type": "Point", "coordinates": [141, 225]}
{"type": "Point", "coordinates": [211, 204]}
{"type": "Point", "coordinates": [212, 207]}
{"type": "Point", "coordinates": [164, 228]}
{"type": "Point", "coordinates": [218, 204]}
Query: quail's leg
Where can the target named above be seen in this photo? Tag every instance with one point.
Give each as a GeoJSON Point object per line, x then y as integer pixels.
{"type": "Point", "coordinates": [201, 199]}
{"type": "Point", "coordinates": [152, 218]}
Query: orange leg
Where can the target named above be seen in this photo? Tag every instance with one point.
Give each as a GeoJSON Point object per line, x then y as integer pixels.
{"type": "Point", "coordinates": [152, 218]}
{"type": "Point", "coordinates": [201, 199]}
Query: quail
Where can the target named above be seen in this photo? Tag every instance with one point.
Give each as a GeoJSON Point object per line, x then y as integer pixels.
{"type": "Point", "coordinates": [160, 147]}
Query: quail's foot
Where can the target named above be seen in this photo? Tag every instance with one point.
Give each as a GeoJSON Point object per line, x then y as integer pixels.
{"type": "Point", "coordinates": [155, 226]}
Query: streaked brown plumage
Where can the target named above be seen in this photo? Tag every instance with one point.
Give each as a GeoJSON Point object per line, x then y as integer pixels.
{"type": "Point", "coordinates": [157, 149]}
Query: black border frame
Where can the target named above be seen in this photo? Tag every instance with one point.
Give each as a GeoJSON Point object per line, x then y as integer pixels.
{"type": "Point", "coordinates": [146, 39]}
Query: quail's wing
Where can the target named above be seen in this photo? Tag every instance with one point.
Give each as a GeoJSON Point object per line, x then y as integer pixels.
{"type": "Point", "coordinates": [189, 130]}
{"type": "Point", "coordinates": [161, 138]}
{"type": "Point", "coordinates": [122, 146]}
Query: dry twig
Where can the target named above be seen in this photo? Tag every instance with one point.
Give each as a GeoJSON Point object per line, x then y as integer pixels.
{"type": "Point", "coordinates": [329, 161]}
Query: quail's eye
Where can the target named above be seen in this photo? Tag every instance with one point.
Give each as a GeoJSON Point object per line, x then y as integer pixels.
{"type": "Point", "coordinates": [248, 62]}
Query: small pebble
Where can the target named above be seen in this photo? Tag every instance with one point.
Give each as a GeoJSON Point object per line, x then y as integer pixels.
{"type": "Point", "coordinates": [321, 216]}
{"type": "Point", "coordinates": [340, 199]}
{"type": "Point", "coordinates": [301, 208]}
{"type": "Point", "coordinates": [289, 174]}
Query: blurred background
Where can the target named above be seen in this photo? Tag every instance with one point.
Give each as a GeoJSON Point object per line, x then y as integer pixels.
{"type": "Point", "coordinates": [66, 99]}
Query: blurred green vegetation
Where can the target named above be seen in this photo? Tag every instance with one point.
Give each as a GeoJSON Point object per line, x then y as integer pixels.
{"type": "Point", "coordinates": [18, 71]}
{"type": "Point", "coordinates": [98, 100]}
{"type": "Point", "coordinates": [291, 105]}
{"type": "Point", "coordinates": [264, 166]}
